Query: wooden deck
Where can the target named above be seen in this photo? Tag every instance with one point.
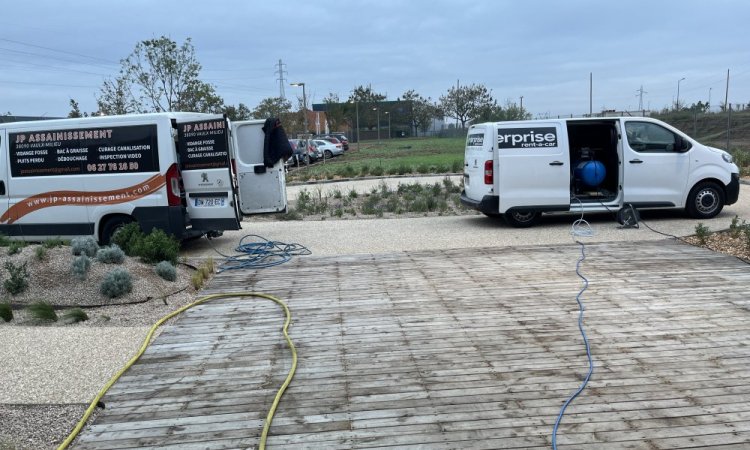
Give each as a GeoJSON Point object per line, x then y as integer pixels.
{"type": "Point", "coordinates": [460, 349]}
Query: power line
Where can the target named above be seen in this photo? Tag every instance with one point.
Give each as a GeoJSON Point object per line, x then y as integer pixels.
{"type": "Point", "coordinates": [60, 51]}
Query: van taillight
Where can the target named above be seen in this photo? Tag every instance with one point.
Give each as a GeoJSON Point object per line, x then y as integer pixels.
{"type": "Point", "coordinates": [488, 175]}
{"type": "Point", "coordinates": [173, 186]}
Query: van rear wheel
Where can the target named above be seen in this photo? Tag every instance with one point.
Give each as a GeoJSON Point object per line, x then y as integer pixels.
{"type": "Point", "coordinates": [111, 226]}
{"type": "Point", "coordinates": [522, 219]}
{"type": "Point", "coordinates": [706, 200]}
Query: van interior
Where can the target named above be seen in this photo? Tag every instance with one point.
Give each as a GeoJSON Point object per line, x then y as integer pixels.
{"type": "Point", "coordinates": [594, 173]}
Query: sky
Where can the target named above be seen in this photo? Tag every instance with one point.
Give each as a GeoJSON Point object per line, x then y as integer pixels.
{"type": "Point", "coordinates": [542, 50]}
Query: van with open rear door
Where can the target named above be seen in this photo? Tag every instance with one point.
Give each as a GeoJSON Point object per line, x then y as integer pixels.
{"type": "Point", "coordinates": [185, 173]}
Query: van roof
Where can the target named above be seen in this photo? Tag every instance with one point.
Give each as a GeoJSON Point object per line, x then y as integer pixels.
{"type": "Point", "coordinates": [566, 119]}
{"type": "Point", "coordinates": [88, 121]}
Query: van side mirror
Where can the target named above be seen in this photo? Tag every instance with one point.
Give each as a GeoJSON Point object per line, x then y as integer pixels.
{"type": "Point", "coordinates": [682, 145]}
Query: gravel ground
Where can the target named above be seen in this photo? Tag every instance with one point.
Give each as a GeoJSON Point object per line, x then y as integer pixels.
{"type": "Point", "coordinates": [48, 365]}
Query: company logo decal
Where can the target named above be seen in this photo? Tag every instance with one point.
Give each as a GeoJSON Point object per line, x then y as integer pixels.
{"type": "Point", "coordinates": [79, 198]}
{"type": "Point", "coordinates": [475, 140]}
{"type": "Point", "coordinates": [526, 137]}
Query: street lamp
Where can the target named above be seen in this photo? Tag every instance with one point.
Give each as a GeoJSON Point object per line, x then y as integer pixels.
{"type": "Point", "coordinates": [378, 110]}
{"type": "Point", "coordinates": [677, 103]}
{"type": "Point", "coordinates": [304, 101]}
{"type": "Point", "coordinates": [356, 106]}
{"type": "Point", "coordinates": [388, 113]}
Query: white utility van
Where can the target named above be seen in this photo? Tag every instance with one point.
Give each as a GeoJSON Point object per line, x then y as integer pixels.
{"type": "Point", "coordinates": [523, 169]}
{"type": "Point", "coordinates": [185, 173]}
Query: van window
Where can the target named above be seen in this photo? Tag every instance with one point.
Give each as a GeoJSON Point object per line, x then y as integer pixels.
{"type": "Point", "coordinates": [649, 137]}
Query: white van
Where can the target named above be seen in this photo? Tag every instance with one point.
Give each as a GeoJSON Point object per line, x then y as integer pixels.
{"type": "Point", "coordinates": [185, 173]}
{"type": "Point", "coordinates": [525, 168]}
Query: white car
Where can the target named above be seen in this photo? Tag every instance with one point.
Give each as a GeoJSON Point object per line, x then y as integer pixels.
{"type": "Point", "coordinates": [329, 150]}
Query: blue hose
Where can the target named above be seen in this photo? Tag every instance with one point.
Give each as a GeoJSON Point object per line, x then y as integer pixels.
{"type": "Point", "coordinates": [581, 308]}
{"type": "Point", "coordinates": [261, 254]}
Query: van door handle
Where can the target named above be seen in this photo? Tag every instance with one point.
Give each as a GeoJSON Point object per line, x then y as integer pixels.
{"type": "Point", "coordinates": [635, 161]}
{"type": "Point", "coordinates": [556, 163]}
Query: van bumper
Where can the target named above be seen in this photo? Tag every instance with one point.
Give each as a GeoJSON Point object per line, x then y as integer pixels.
{"type": "Point", "coordinates": [489, 204]}
{"type": "Point", "coordinates": [170, 219]}
{"type": "Point", "coordinates": [733, 189]}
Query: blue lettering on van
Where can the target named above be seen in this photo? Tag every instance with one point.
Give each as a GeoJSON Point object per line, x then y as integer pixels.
{"type": "Point", "coordinates": [526, 137]}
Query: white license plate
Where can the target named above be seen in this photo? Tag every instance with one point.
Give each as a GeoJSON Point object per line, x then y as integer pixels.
{"type": "Point", "coordinates": [209, 202]}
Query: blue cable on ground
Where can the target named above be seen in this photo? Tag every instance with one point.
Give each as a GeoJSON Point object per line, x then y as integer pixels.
{"type": "Point", "coordinates": [581, 308]}
{"type": "Point", "coordinates": [261, 254]}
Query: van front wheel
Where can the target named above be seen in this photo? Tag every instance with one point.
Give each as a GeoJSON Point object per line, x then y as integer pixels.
{"type": "Point", "coordinates": [521, 219]}
{"type": "Point", "coordinates": [706, 200]}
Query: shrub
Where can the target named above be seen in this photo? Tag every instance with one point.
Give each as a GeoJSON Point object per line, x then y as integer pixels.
{"type": "Point", "coordinates": [353, 193]}
{"type": "Point", "coordinates": [158, 246]}
{"type": "Point", "coordinates": [376, 171]}
{"type": "Point", "coordinates": [18, 279]}
{"type": "Point", "coordinates": [111, 255]}
{"type": "Point", "coordinates": [403, 169]}
{"type": "Point", "coordinates": [337, 193]}
{"type": "Point", "coordinates": [128, 238]}
{"type": "Point", "coordinates": [349, 171]}
{"type": "Point", "coordinates": [84, 245]}
{"type": "Point", "coordinates": [4, 240]}
{"type": "Point", "coordinates": [364, 169]}
{"type": "Point", "coordinates": [81, 266]}
{"type": "Point", "coordinates": [75, 315]}
{"type": "Point", "coordinates": [6, 312]}
{"type": "Point", "coordinates": [702, 232]}
{"type": "Point", "coordinates": [735, 228]}
{"type": "Point", "coordinates": [15, 247]}
{"type": "Point", "coordinates": [338, 212]}
{"type": "Point", "coordinates": [53, 243]}
{"type": "Point", "coordinates": [166, 270]}
{"type": "Point", "coordinates": [457, 166]}
{"type": "Point", "coordinates": [40, 253]}
{"type": "Point", "coordinates": [117, 283]}
{"type": "Point", "coordinates": [304, 200]}
{"type": "Point", "coordinates": [42, 311]}
{"type": "Point", "coordinates": [197, 280]}
{"type": "Point", "coordinates": [423, 168]}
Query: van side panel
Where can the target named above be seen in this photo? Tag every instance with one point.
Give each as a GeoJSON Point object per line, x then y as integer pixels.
{"type": "Point", "coordinates": [533, 166]}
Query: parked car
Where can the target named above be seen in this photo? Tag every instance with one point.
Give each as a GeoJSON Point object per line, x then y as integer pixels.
{"type": "Point", "coordinates": [340, 136]}
{"type": "Point", "coordinates": [309, 148]}
{"type": "Point", "coordinates": [300, 156]}
{"type": "Point", "coordinates": [329, 149]}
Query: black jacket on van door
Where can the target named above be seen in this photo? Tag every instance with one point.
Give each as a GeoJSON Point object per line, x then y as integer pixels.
{"type": "Point", "coordinates": [275, 145]}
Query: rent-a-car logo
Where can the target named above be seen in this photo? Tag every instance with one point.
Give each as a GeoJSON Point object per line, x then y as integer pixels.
{"type": "Point", "coordinates": [526, 137]}
{"type": "Point", "coordinates": [475, 140]}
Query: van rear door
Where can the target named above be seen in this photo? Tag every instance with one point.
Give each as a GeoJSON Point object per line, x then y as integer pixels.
{"type": "Point", "coordinates": [478, 158]}
{"type": "Point", "coordinates": [261, 189]}
{"type": "Point", "coordinates": [204, 159]}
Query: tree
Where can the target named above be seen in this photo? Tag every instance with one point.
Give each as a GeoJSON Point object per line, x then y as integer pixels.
{"type": "Point", "coordinates": [365, 100]}
{"type": "Point", "coordinates": [272, 107]}
{"type": "Point", "coordinates": [159, 76]}
{"type": "Point", "coordinates": [75, 111]}
{"type": "Point", "coordinates": [496, 113]}
{"type": "Point", "coordinates": [466, 103]}
{"type": "Point", "coordinates": [239, 112]}
{"type": "Point", "coordinates": [336, 112]}
{"type": "Point", "coordinates": [422, 111]}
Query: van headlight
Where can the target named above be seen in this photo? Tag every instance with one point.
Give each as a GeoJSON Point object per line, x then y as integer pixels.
{"type": "Point", "coordinates": [727, 157]}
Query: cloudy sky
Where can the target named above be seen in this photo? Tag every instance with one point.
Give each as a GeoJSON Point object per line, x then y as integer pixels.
{"type": "Point", "coordinates": [543, 50]}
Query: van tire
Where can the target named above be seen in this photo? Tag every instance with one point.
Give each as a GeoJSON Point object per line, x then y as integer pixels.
{"type": "Point", "coordinates": [706, 200]}
{"type": "Point", "coordinates": [522, 219]}
{"type": "Point", "coordinates": [111, 226]}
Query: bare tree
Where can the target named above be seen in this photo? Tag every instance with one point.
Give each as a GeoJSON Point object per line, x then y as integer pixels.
{"type": "Point", "coordinates": [466, 103]}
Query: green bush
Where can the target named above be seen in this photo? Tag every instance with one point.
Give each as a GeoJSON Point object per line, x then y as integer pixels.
{"type": "Point", "coordinates": [457, 166]}
{"type": "Point", "coordinates": [158, 246]}
{"type": "Point", "coordinates": [4, 240]}
{"type": "Point", "coordinates": [364, 169]}
{"type": "Point", "coordinates": [53, 243]}
{"type": "Point", "coordinates": [111, 255]}
{"type": "Point", "coordinates": [702, 232]}
{"type": "Point", "coordinates": [80, 267]}
{"type": "Point", "coordinates": [84, 245]}
{"type": "Point", "coordinates": [6, 312]}
{"type": "Point", "coordinates": [16, 247]}
{"type": "Point", "coordinates": [40, 253]}
{"type": "Point", "coordinates": [376, 171]}
{"type": "Point", "coordinates": [353, 193]}
{"type": "Point", "coordinates": [117, 283]}
{"type": "Point", "coordinates": [423, 168]}
{"type": "Point", "coordinates": [128, 238]}
{"type": "Point", "coordinates": [166, 270]}
{"type": "Point", "coordinates": [349, 171]}
{"type": "Point", "coordinates": [75, 315]}
{"type": "Point", "coordinates": [337, 193]}
{"type": "Point", "coordinates": [17, 281]}
{"type": "Point", "coordinates": [42, 311]}
{"type": "Point", "coordinates": [735, 228]}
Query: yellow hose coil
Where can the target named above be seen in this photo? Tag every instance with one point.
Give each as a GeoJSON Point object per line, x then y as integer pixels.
{"type": "Point", "coordinates": [147, 342]}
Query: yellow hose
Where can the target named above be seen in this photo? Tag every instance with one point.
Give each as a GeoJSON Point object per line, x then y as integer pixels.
{"type": "Point", "coordinates": [147, 341]}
